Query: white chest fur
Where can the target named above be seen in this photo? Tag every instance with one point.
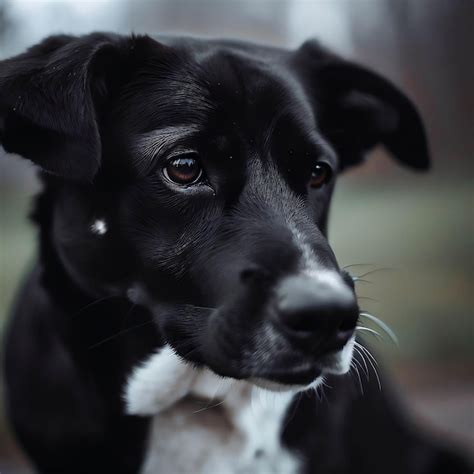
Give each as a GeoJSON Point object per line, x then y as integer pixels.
{"type": "Point", "coordinates": [206, 424]}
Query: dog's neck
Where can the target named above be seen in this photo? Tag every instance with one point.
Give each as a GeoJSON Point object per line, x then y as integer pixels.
{"type": "Point", "coordinates": [197, 408]}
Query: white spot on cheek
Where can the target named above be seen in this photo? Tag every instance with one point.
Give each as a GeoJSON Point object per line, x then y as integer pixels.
{"type": "Point", "coordinates": [99, 227]}
{"type": "Point", "coordinates": [137, 295]}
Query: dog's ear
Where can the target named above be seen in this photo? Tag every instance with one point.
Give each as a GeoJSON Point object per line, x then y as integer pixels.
{"type": "Point", "coordinates": [50, 99]}
{"type": "Point", "coordinates": [357, 109]}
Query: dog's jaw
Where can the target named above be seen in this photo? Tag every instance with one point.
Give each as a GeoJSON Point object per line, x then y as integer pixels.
{"type": "Point", "coordinates": [165, 378]}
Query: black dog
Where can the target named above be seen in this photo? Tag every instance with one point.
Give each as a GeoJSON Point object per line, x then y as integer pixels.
{"type": "Point", "coordinates": [186, 194]}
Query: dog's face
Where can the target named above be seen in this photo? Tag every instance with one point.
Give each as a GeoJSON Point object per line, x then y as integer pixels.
{"type": "Point", "coordinates": [195, 178]}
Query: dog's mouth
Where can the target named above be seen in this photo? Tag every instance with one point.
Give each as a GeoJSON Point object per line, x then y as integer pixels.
{"type": "Point", "coordinates": [291, 377]}
{"type": "Point", "coordinates": [295, 336]}
{"type": "Point", "coordinates": [167, 377]}
{"type": "Point", "coordinates": [270, 360]}
{"type": "Point", "coordinates": [230, 345]}
{"type": "Point", "coordinates": [309, 372]}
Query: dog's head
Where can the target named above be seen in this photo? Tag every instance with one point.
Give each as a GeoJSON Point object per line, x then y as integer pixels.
{"type": "Point", "coordinates": [195, 178]}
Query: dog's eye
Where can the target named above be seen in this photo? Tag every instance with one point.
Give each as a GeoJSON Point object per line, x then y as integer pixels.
{"type": "Point", "coordinates": [184, 169]}
{"type": "Point", "coordinates": [320, 174]}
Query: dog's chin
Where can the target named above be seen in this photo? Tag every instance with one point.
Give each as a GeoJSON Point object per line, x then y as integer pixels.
{"type": "Point", "coordinates": [165, 378]}
{"type": "Point", "coordinates": [274, 386]}
{"type": "Point", "coordinates": [309, 375]}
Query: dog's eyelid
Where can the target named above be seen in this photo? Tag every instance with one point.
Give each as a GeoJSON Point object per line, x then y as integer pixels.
{"type": "Point", "coordinates": [323, 159]}
{"type": "Point", "coordinates": [163, 157]}
{"type": "Point", "coordinates": [325, 152]}
{"type": "Point", "coordinates": [150, 148]}
{"type": "Point", "coordinates": [179, 151]}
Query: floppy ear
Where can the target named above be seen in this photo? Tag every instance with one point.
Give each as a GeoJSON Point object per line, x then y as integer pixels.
{"type": "Point", "coordinates": [357, 109]}
{"type": "Point", "coordinates": [49, 100]}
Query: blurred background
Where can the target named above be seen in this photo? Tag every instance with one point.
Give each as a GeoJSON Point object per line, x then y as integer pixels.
{"type": "Point", "coordinates": [418, 226]}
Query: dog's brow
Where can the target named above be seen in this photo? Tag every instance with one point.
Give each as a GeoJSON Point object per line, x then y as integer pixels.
{"type": "Point", "coordinates": [149, 145]}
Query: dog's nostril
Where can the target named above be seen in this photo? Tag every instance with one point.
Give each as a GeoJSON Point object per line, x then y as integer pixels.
{"type": "Point", "coordinates": [349, 322]}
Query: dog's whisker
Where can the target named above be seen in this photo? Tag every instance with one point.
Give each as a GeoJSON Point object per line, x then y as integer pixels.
{"type": "Point", "coordinates": [219, 385]}
{"type": "Point", "coordinates": [118, 334]}
{"type": "Point", "coordinates": [376, 374]}
{"type": "Point", "coordinates": [93, 303]}
{"type": "Point", "coordinates": [208, 407]}
{"type": "Point", "coordinates": [216, 391]}
{"type": "Point", "coordinates": [358, 265]}
{"type": "Point", "coordinates": [358, 377]}
{"type": "Point", "coordinates": [371, 331]}
{"type": "Point", "coordinates": [375, 270]}
{"type": "Point", "coordinates": [382, 325]}
{"type": "Point", "coordinates": [359, 365]}
{"type": "Point", "coordinates": [318, 394]}
{"type": "Point", "coordinates": [325, 386]}
{"type": "Point", "coordinates": [372, 362]}
{"type": "Point", "coordinates": [293, 412]}
{"type": "Point", "coordinates": [364, 367]}
{"type": "Point", "coordinates": [192, 351]}
{"type": "Point", "coordinates": [361, 354]}
{"type": "Point", "coordinates": [366, 351]}
{"type": "Point", "coordinates": [357, 279]}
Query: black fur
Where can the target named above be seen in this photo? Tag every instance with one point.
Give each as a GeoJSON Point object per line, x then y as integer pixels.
{"type": "Point", "coordinates": [84, 109]}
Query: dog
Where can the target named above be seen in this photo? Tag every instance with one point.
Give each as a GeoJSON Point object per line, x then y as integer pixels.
{"type": "Point", "coordinates": [186, 307]}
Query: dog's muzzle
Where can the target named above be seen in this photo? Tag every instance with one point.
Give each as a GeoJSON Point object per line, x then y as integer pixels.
{"type": "Point", "coordinates": [314, 317]}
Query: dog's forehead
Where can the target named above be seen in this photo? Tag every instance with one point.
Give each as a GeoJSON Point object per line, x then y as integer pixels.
{"type": "Point", "coordinates": [253, 84]}
{"type": "Point", "coordinates": [230, 91]}
{"type": "Point", "coordinates": [228, 81]}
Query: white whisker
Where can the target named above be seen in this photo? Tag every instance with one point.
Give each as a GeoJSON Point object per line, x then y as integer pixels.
{"type": "Point", "coordinates": [363, 361]}
{"type": "Point", "coordinates": [358, 376]}
{"type": "Point", "coordinates": [364, 368]}
{"type": "Point", "coordinates": [375, 270]}
{"type": "Point", "coordinates": [358, 265]}
{"type": "Point", "coordinates": [208, 407]}
{"type": "Point", "coordinates": [369, 330]}
{"type": "Point", "coordinates": [355, 279]}
{"type": "Point", "coordinates": [384, 326]}
{"type": "Point", "coordinates": [372, 361]}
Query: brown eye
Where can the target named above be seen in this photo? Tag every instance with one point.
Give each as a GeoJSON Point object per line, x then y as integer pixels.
{"type": "Point", "coordinates": [320, 174]}
{"type": "Point", "coordinates": [184, 169]}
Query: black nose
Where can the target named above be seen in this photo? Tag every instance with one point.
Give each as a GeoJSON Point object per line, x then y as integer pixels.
{"type": "Point", "coordinates": [319, 313]}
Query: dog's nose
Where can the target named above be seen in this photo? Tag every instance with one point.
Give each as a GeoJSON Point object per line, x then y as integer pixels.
{"type": "Point", "coordinates": [318, 312]}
